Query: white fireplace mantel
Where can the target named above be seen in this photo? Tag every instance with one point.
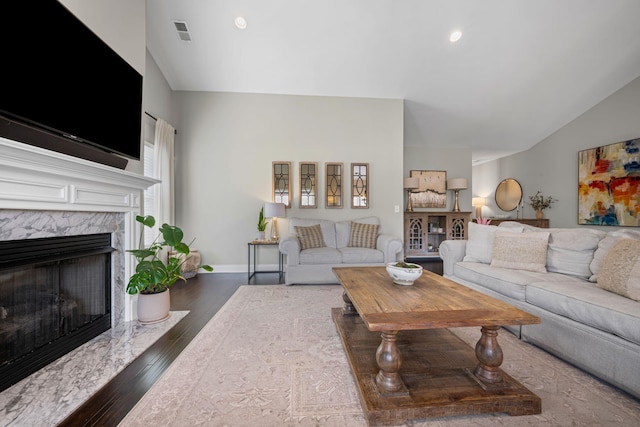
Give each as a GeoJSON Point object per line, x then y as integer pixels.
{"type": "Point", "coordinates": [35, 178]}
{"type": "Point", "coordinates": [32, 178]}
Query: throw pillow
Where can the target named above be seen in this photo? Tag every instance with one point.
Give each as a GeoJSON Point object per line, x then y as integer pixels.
{"type": "Point", "coordinates": [363, 235]}
{"type": "Point", "coordinates": [571, 250]}
{"type": "Point", "coordinates": [620, 269]}
{"type": "Point", "coordinates": [521, 251]}
{"type": "Point", "coordinates": [605, 245]}
{"type": "Point", "coordinates": [480, 242]}
{"type": "Point", "coordinates": [310, 237]}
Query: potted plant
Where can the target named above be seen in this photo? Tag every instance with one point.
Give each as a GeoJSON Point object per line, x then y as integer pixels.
{"type": "Point", "coordinates": [262, 223]}
{"type": "Point", "coordinates": [153, 275]}
{"type": "Point", "coordinates": [539, 203]}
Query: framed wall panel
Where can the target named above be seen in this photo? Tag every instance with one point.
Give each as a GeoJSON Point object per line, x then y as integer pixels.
{"type": "Point", "coordinates": [281, 182]}
{"type": "Point", "coordinates": [308, 185]}
{"type": "Point", "coordinates": [334, 178]}
{"type": "Point", "coordinates": [360, 185]}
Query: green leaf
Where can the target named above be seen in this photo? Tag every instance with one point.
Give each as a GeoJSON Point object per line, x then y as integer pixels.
{"type": "Point", "coordinates": [172, 235]}
{"type": "Point", "coordinates": [142, 253]}
{"type": "Point", "coordinates": [182, 248]}
{"type": "Point", "coordinates": [147, 221]}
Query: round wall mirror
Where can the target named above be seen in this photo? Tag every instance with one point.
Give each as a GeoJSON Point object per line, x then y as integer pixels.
{"type": "Point", "coordinates": [508, 194]}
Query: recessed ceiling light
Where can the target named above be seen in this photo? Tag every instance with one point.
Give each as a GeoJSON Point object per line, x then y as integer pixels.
{"type": "Point", "coordinates": [240, 22]}
{"type": "Point", "coordinates": [455, 36]}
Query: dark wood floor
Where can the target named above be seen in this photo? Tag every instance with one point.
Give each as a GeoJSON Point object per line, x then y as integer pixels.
{"type": "Point", "coordinates": [203, 296]}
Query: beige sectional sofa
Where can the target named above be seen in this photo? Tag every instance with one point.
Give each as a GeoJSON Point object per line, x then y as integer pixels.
{"type": "Point", "coordinates": [315, 246]}
{"type": "Point", "coordinates": [586, 292]}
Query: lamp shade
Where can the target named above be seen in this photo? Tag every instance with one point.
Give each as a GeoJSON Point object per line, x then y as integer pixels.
{"type": "Point", "coordinates": [274, 210]}
{"type": "Point", "coordinates": [411, 183]}
{"type": "Point", "coordinates": [478, 202]}
{"type": "Point", "coordinates": [457, 184]}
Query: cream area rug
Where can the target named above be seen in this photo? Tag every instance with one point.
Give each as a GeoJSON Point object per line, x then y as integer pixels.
{"type": "Point", "coordinates": [272, 357]}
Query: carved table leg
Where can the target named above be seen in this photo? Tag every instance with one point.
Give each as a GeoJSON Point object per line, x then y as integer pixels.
{"type": "Point", "coordinates": [389, 361]}
{"type": "Point", "coordinates": [348, 309]}
{"type": "Point", "coordinates": [489, 356]}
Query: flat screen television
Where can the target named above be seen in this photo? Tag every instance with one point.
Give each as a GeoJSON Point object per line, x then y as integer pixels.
{"type": "Point", "coordinates": [63, 88]}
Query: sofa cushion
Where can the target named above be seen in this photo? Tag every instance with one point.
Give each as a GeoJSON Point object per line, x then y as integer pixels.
{"type": "Point", "coordinates": [620, 270]}
{"type": "Point", "coordinates": [317, 256]}
{"type": "Point", "coordinates": [605, 244]}
{"type": "Point", "coordinates": [588, 304]}
{"type": "Point", "coordinates": [310, 237]}
{"type": "Point", "coordinates": [363, 235]}
{"type": "Point", "coordinates": [480, 242]}
{"type": "Point", "coordinates": [351, 255]}
{"type": "Point", "coordinates": [343, 229]}
{"type": "Point", "coordinates": [328, 228]}
{"type": "Point", "coordinates": [508, 282]}
{"type": "Point", "coordinates": [522, 251]}
{"type": "Point", "coordinates": [571, 250]}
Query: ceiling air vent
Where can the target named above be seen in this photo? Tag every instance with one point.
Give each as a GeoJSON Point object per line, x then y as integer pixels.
{"type": "Point", "coordinates": [182, 30]}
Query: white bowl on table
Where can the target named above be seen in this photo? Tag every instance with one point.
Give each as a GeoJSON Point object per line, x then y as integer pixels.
{"type": "Point", "coordinates": [405, 274]}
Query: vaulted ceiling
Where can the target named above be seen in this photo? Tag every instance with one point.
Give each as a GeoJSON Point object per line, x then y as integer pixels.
{"type": "Point", "coordinates": [522, 69]}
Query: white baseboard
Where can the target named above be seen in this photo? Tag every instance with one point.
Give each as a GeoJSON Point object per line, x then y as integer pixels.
{"type": "Point", "coordinates": [238, 268]}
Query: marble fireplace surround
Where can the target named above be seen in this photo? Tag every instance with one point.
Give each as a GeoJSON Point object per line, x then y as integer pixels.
{"type": "Point", "coordinates": [46, 194]}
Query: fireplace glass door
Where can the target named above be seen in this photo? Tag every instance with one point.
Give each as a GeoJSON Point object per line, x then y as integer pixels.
{"type": "Point", "coordinates": [52, 303]}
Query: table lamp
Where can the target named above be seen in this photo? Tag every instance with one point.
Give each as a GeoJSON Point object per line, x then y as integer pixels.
{"type": "Point", "coordinates": [410, 184]}
{"type": "Point", "coordinates": [274, 211]}
{"type": "Point", "coordinates": [456, 184]}
{"type": "Point", "coordinates": [478, 203]}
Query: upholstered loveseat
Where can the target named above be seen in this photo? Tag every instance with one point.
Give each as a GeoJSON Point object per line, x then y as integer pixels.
{"type": "Point", "coordinates": [583, 283]}
{"type": "Point", "coordinates": [315, 246]}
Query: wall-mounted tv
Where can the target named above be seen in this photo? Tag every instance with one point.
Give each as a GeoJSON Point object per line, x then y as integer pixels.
{"type": "Point", "coordinates": [63, 88]}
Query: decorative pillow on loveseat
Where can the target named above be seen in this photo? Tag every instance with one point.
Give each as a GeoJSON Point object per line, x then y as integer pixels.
{"type": "Point", "coordinates": [521, 251]}
{"type": "Point", "coordinates": [310, 237]}
{"type": "Point", "coordinates": [620, 269]}
{"type": "Point", "coordinates": [363, 235]}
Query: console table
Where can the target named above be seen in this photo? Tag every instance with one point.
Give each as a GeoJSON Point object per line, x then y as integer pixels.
{"type": "Point", "coordinates": [541, 223]}
{"type": "Point", "coordinates": [255, 245]}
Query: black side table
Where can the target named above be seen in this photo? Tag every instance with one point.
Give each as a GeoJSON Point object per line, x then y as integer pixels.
{"type": "Point", "coordinates": [255, 245]}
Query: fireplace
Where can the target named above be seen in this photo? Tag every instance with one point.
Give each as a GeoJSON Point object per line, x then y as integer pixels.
{"type": "Point", "coordinates": [46, 194]}
{"type": "Point", "coordinates": [55, 295]}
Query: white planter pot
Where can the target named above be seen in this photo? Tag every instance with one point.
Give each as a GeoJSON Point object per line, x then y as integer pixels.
{"type": "Point", "coordinates": [153, 308]}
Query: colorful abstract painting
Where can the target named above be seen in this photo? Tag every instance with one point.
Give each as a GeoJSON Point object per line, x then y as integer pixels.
{"type": "Point", "coordinates": [609, 184]}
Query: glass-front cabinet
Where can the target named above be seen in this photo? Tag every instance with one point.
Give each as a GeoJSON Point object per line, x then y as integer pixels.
{"type": "Point", "coordinates": [424, 231]}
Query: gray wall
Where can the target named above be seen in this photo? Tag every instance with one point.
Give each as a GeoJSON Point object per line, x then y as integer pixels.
{"type": "Point", "coordinates": [156, 100]}
{"type": "Point", "coordinates": [228, 142]}
{"type": "Point", "coordinates": [551, 166]}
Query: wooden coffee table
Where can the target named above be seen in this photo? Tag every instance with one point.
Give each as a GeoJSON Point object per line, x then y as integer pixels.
{"type": "Point", "coordinates": [406, 363]}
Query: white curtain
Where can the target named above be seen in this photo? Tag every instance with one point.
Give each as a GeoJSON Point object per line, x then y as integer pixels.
{"type": "Point", "coordinates": [164, 168]}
